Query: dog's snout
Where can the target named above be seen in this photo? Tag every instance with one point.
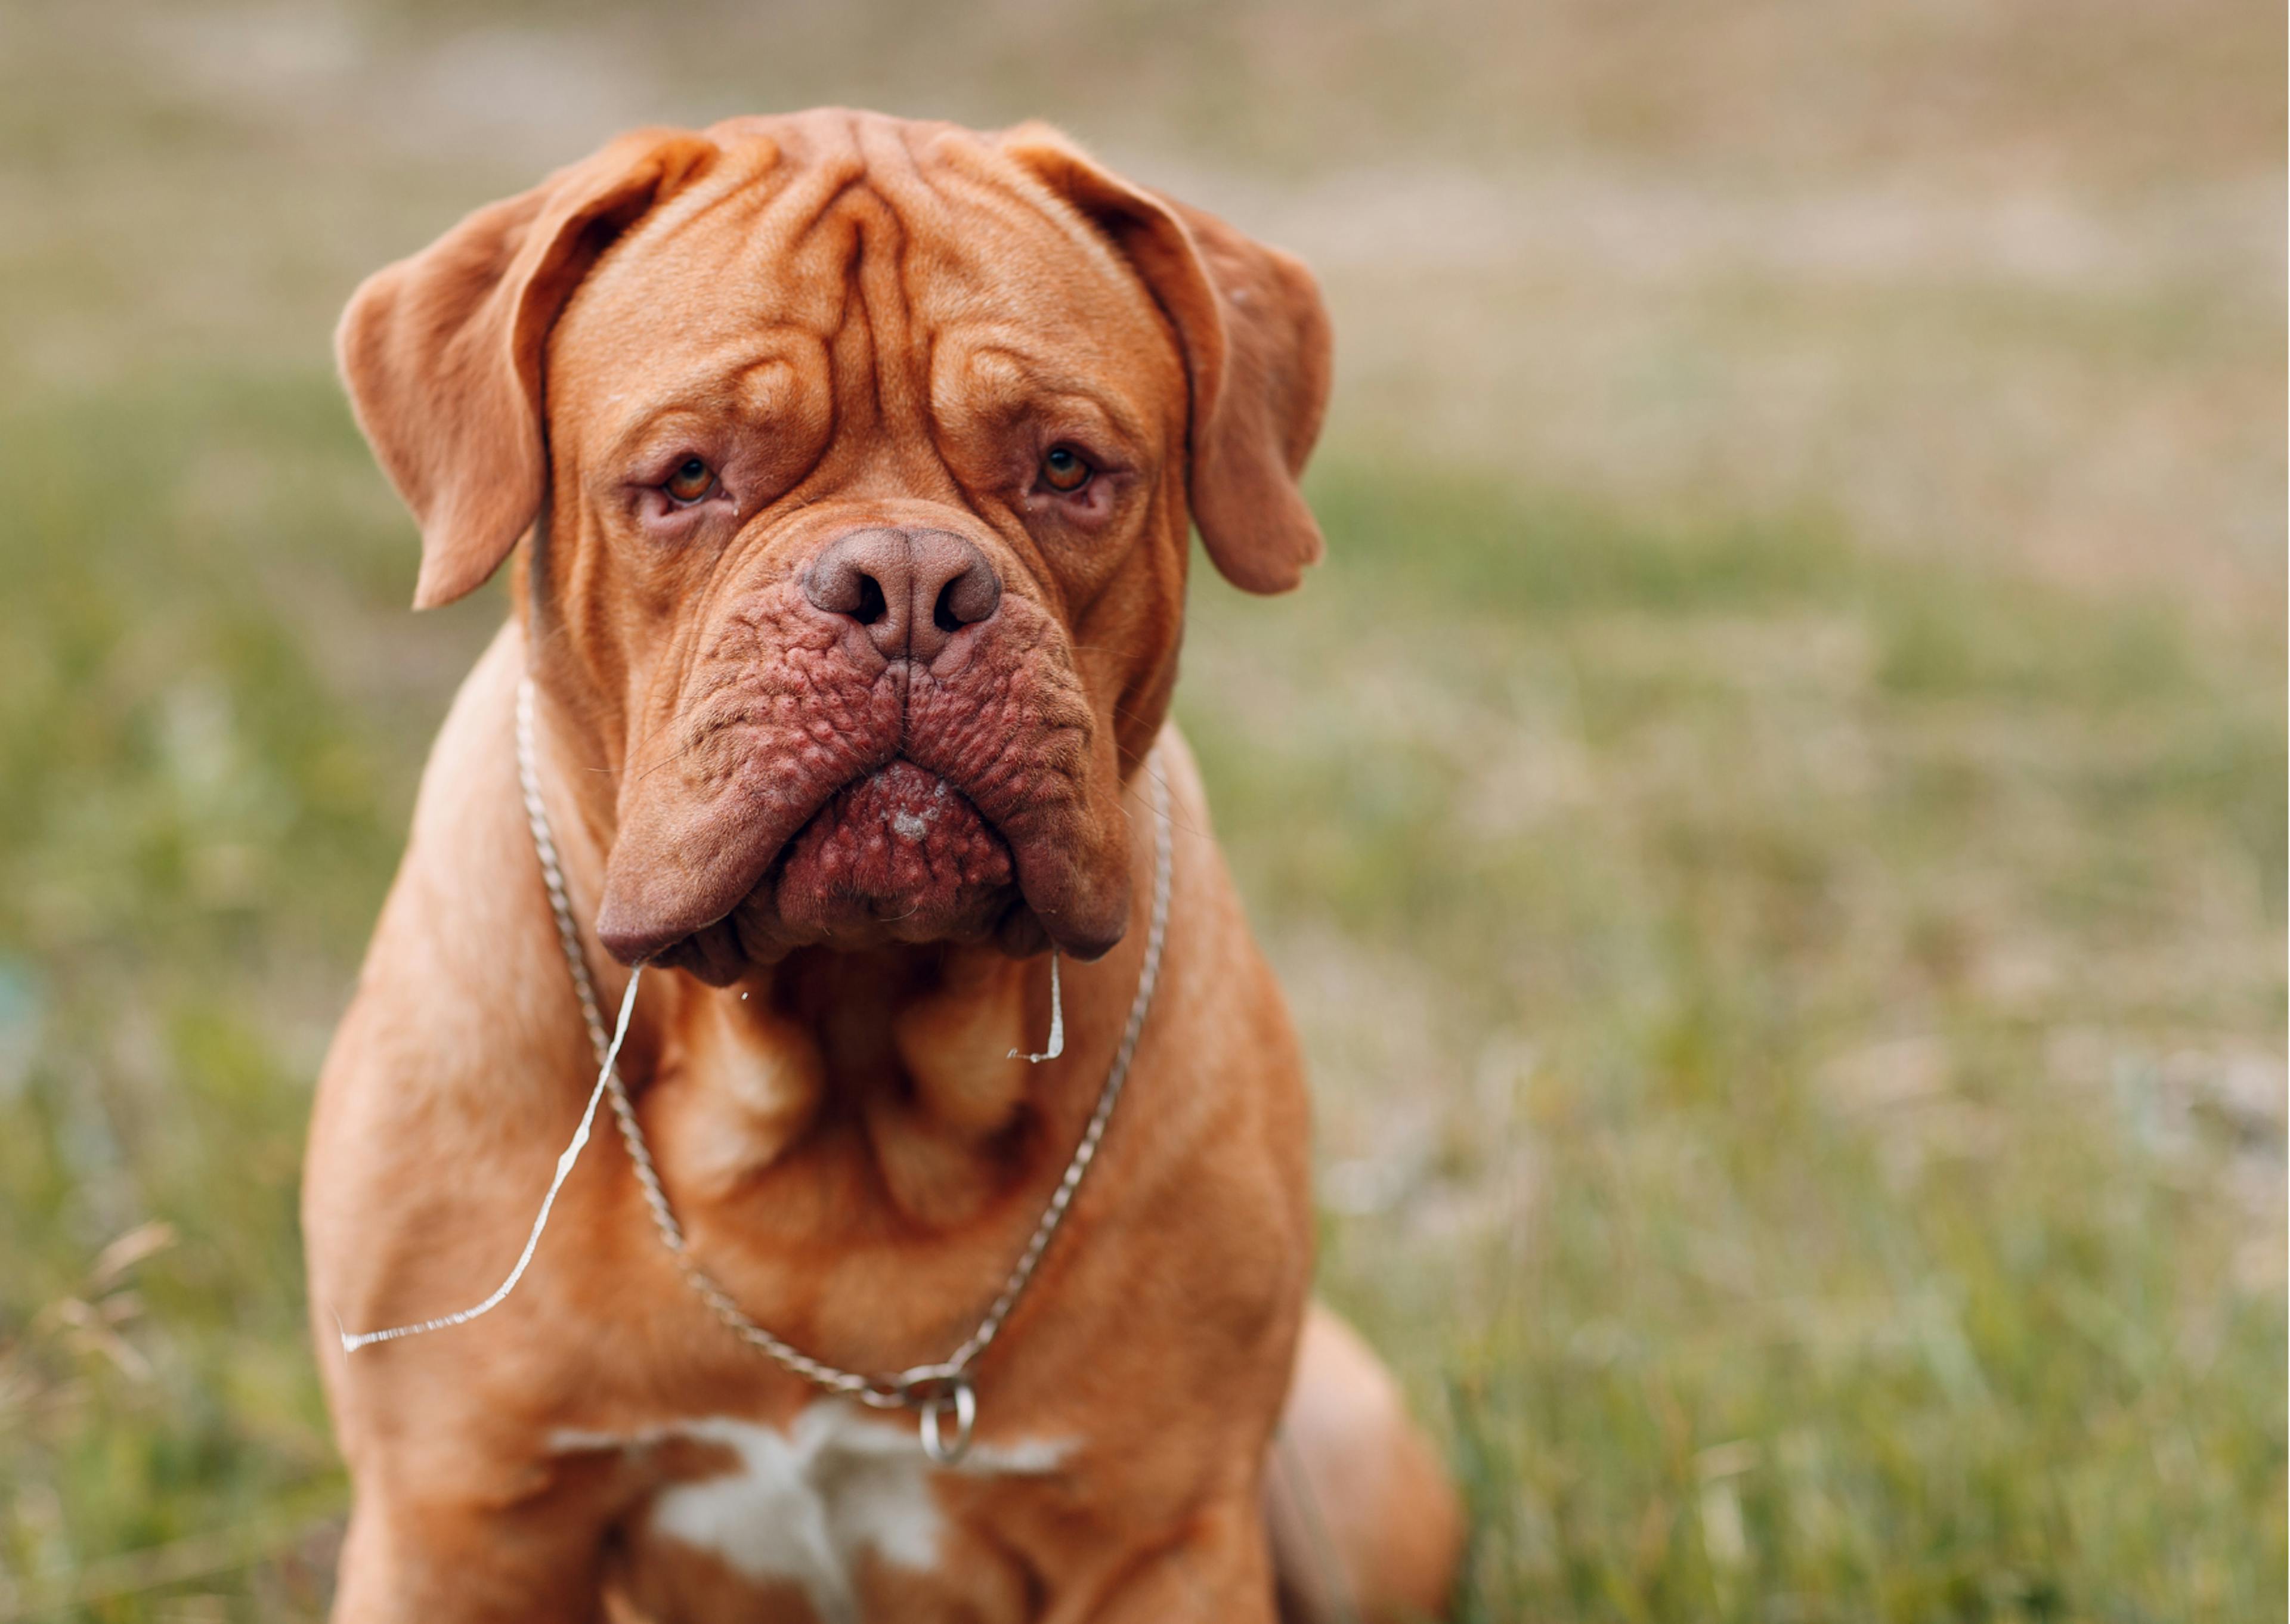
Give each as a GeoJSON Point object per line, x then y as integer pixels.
{"type": "Point", "coordinates": [911, 590]}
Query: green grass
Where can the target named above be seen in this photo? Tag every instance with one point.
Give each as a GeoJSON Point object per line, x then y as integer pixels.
{"type": "Point", "coordinates": [1778, 1011]}
{"type": "Point", "coordinates": [1816, 1173]}
{"type": "Point", "coordinates": [196, 832]}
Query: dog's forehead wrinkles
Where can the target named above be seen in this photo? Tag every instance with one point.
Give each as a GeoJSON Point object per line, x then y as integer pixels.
{"type": "Point", "coordinates": [760, 378]}
{"type": "Point", "coordinates": [889, 295]}
{"type": "Point", "coordinates": [773, 230]}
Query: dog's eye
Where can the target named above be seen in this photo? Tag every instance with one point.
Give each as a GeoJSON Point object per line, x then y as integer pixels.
{"type": "Point", "coordinates": [692, 480]}
{"type": "Point", "coordinates": [1064, 471]}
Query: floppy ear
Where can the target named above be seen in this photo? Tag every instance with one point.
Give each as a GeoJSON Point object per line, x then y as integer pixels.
{"type": "Point", "coordinates": [442, 352]}
{"type": "Point", "coordinates": [1256, 343]}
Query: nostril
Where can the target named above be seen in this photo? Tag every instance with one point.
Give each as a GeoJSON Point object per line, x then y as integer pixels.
{"type": "Point", "coordinates": [971, 596]}
{"type": "Point", "coordinates": [861, 576]}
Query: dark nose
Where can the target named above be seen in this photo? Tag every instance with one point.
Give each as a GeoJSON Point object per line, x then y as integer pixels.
{"type": "Point", "coordinates": [912, 589]}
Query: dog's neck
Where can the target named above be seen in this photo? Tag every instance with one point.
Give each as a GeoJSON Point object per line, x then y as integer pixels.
{"type": "Point", "coordinates": [894, 1064]}
{"type": "Point", "coordinates": [900, 1059]}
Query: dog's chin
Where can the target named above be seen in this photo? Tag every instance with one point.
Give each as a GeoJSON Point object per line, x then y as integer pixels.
{"type": "Point", "coordinates": [901, 855]}
{"type": "Point", "coordinates": [898, 857]}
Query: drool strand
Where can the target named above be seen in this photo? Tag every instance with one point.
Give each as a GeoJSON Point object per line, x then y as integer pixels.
{"type": "Point", "coordinates": [1057, 1021]}
{"type": "Point", "coordinates": [352, 1340]}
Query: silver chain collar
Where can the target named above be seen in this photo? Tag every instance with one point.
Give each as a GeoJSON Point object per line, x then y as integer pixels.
{"type": "Point", "coordinates": [937, 1392]}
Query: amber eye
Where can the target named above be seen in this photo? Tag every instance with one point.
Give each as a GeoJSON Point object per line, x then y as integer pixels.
{"type": "Point", "coordinates": [692, 480]}
{"type": "Point", "coordinates": [1062, 469]}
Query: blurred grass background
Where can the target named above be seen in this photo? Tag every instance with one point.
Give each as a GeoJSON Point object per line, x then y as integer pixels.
{"type": "Point", "coordinates": [1772, 817]}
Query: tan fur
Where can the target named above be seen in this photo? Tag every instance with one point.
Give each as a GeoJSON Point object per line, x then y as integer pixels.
{"type": "Point", "coordinates": [858, 318]}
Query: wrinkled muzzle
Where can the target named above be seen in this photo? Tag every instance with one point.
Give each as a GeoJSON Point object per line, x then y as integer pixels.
{"type": "Point", "coordinates": [887, 743]}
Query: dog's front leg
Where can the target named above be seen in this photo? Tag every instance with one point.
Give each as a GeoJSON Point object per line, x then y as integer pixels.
{"type": "Point", "coordinates": [408, 1562]}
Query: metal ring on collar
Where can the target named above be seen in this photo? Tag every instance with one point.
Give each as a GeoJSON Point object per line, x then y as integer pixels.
{"type": "Point", "coordinates": [958, 1396]}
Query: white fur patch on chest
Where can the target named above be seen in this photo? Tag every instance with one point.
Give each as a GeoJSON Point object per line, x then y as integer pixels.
{"type": "Point", "coordinates": [801, 1506]}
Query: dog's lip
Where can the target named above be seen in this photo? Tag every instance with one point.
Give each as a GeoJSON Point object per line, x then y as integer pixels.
{"type": "Point", "coordinates": [635, 923]}
{"type": "Point", "coordinates": [899, 843]}
{"type": "Point", "coordinates": [629, 936]}
{"type": "Point", "coordinates": [632, 933]}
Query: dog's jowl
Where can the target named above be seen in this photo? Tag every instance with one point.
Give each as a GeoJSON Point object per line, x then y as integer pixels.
{"type": "Point", "coordinates": [854, 462]}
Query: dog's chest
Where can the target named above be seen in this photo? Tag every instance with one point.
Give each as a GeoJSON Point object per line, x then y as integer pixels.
{"type": "Point", "coordinates": [807, 1509]}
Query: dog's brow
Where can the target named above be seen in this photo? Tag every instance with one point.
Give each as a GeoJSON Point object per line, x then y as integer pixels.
{"type": "Point", "coordinates": [710, 391]}
{"type": "Point", "coordinates": [1051, 388]}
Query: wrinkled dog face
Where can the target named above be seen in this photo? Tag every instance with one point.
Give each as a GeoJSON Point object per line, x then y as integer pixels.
{"type": "Point", "coordinates": [842, 578]}
{"type": "Point", "coordinates": [870, 450]}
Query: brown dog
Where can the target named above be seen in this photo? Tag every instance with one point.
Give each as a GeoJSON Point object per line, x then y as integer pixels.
{"type": "Point", "coordinates": [858, 458]}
